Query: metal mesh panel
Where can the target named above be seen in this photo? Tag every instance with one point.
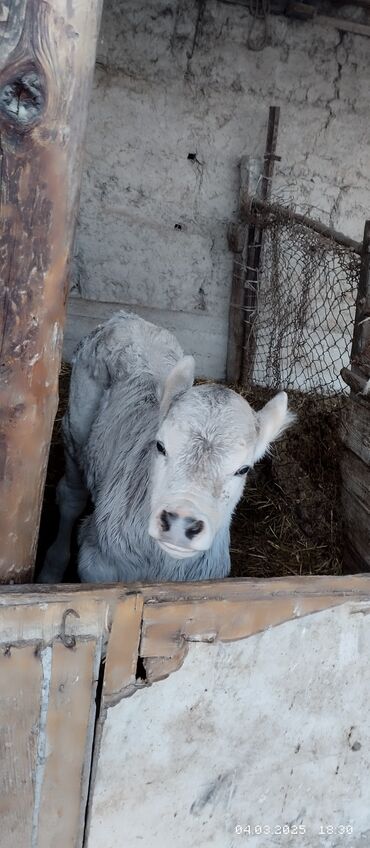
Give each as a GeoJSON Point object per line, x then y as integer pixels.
{"type": "Point", "coordinates": [299, 325]}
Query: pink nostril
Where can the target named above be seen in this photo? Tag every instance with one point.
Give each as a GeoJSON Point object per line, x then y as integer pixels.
{"type": "Point", "coordinates": [194, 527]}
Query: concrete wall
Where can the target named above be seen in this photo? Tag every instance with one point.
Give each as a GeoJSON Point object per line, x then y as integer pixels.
{"type": "Point", "coordinates": [173, 80]}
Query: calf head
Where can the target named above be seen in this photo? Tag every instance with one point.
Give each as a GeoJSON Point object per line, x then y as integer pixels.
{"type": "Point", "coordinates": [208, 439]}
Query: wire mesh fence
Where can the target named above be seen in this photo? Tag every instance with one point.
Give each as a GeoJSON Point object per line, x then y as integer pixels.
{"type": "Point", "coordinates": [300, 294]}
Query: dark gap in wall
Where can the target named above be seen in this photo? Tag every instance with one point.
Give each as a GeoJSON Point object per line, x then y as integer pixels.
{"type": "Point", "coordinates": [140, 673]}
{"type": "Point", "coordinates": [95, 743]}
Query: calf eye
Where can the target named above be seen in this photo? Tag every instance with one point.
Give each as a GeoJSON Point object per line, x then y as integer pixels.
{"type": "Point", "coordinates": [243, 470]}
{"type": "Point", "coordinates": [161, 448]}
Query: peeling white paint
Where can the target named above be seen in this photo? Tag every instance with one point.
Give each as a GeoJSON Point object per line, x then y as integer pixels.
{"type": "Point", "coordinates": [46, 656]}
{"type": "Point", "coordinates": [243, 734]}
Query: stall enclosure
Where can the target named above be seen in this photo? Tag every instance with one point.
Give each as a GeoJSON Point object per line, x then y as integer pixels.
{"type": "Point", "coordinates": [204, 714]}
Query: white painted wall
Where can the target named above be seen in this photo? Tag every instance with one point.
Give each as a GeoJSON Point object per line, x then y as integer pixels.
{"type": "Point", "coordinates": [169, 83]}
{"type": "Point", "coordinates": [270, 732]}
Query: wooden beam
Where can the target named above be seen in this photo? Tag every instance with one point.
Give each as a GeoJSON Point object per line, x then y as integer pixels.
{"type": "Point", "coordinates": [95, 602]}
{"type": "Point", "coordinates": [237, 236]}
{"type": "Point", "coordinates": [245, 242]}
{"type": "Point", "coordinates": [47, 59]}
{"type": "Point", "coordinates": [355, 464]}
{"type": "Point", "coordinates": [254, 254]}
{"type": "Point", "coordinates": [345, 25]}
{"type": "Point", "coordinates": [361, 334]}
{"type": "Point", "coordinates": [354, 380]}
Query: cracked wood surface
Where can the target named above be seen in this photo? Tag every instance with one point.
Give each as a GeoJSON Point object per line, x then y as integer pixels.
{"type": "Point", "coordinates": [47, 714]}
{"type": "Point", "coordinates": [47, 700]}
{"type": "Point", "coordinates": [20, 683]}
{"type": "Point", "coordinates": [68, 731]}
{"type": "Point", "coordinates": [46, 66]}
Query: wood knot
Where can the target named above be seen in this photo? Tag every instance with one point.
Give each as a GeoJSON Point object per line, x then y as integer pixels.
{"type": "Point", "coordinates": [22, 99]}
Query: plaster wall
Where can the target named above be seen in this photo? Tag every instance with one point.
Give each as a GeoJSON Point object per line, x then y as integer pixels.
{"type": "Point", "coordinates": [173, 78]}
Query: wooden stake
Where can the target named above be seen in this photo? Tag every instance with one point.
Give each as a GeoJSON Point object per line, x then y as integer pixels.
{"type": "Point", "coordinates": [254, 254]}
{"type": "Point", "coordinates": [355, 464]}
{"type": "Point", "coordinates": [47, 59]}
{"type": "Point", "coordinates": [237, 237]}
{"type": "Point", "coordinates": [361, 334]}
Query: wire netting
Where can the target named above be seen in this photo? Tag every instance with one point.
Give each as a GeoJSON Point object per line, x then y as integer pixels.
{"type": "Point", "coordinates": [300, 305]}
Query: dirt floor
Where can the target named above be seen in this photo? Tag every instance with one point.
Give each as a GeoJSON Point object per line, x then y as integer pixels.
{"type": "Point", "coordinates": [289, 520]}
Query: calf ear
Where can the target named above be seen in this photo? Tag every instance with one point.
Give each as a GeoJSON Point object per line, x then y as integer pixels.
{"type": "Point", "coordinates": [272, 420]}
{"type": "Point", "coordinates": [178, 381]}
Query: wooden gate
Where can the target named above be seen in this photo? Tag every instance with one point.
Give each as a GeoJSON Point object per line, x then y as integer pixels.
{"type": "Point", "coordinates": [185, 714]}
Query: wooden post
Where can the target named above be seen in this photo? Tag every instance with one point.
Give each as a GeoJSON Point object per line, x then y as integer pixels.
{"type": "Point", "coordinates": [254, 253]}
{"type": "Point", "coordinates": [355, 465]}
{"type": "Point", "coordinates": [47, 59]}
{"type": "Point", "coordinates": [237, 239]}
{"type": "Point", "coordinates": [251, 170]}
{"type": "Point", "coordinates": [361, 335]}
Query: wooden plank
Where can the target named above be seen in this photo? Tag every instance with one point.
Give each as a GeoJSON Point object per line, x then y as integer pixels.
{"type": "Point", "coordinates": [20, 694]}
{"type": "Point", "coordinates": [302, 11]}
{"type": "Point", "coordinates": [354, 380]}
{"type": "Point", "coordinates": [357, 530]}
{"type": "Point", "coordinates": [248, 590]}
{"type": "Point", "coordinates": [355, 466]}
{"type": "Point", "coordinates": [361, 334]}
{"type": "Point", "coordinates": [345, 25]}
{"type": "Point", "coordinates": [43, 622]}
{"type": "Point", "coordinates": [68, 743]}
{"type": "Point", "coordinates": [255, 253]}
{"type": "Point", "coordinates": [356, 510]}
{"type": "Point", "coordinates": [239, 247]}
{"type": "Point", "coordinates": [120, 669]}
{"type": "Point", "coordinates": [242, 589]}
{"type": "Point", "coordinates": [356, 479]}
{"type": "Point", "coordinates": [168, 627]}
{"type": "Point", "coordinates": [123, 647]}
{"type": "Point", "coordinates": [355, 428]}
{"type": "Point", "coordinates": [47, 60]}
{"type": "Point", "coordinates": [62, 593]}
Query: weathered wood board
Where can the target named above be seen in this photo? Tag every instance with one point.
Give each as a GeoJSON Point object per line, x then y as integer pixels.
{"type": "Point", "coordinates": [355, 471]}
{"type": "Point", "coordinates": [355, 465]}
{"type": "Point", "coordinates": [47, 715]}
{"type": "Point", "coordinates": [47, 55]}
{"type": "Point", "coordinates": [217, 690]}
{"type": "Point", "coordinates": [20, 687]}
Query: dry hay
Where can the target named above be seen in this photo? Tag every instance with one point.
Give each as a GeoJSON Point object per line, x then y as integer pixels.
{"type": "Point", "coordinates": [289, 519]}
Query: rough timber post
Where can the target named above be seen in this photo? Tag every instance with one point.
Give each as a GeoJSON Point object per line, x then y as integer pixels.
{"type": "Point", "coordinates": [355, 465]}
{"type": "Point", "coordinates": [47, 55]}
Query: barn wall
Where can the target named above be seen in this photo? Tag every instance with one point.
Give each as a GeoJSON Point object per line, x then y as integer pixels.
{"type": "Point", "coordinates": [173, 78]}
